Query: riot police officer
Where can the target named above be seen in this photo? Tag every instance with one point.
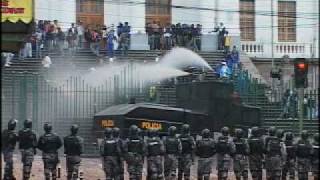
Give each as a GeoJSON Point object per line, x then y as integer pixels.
{"type": "Point", "coordinates": [275, 151]}
{"type": "Point", "coordinates": [186, 158]}
{"type": "Point", "coordinates": [225, 148]}
{"type": "Point", "coordinates": [289, 164]}
{"type": "Point", "coordinates": [49, 143]}
{"type": "Point", "coordinates": [205, 149]}
{"type": "Point", "coordinates": [256, 146]}
{"type": "Point", "coordinates": [9, 139]}
{"type": "Point", "coordinates": [155, 151]}
{"type": "Point", "coordinates": [315, 156]}
{"type": "Point", "coordinates": [304, 151]}
{"type": "Point", "coordinates": [173, 149]}
{"type": "Point", "coordinates": [135, 151]}
{"type": "Point", "coordinates": [27, 146]}
{"type": "Point", "coordinates": [116, 135]}
{"type": "Point", "coordinates": [110, 151]}
{"type": "Point", "coordinates": [240, 157]}
{"type": "Point", "coordinates": [73, 148]}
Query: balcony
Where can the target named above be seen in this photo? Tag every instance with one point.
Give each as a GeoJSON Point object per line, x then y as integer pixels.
{"type": "Point", "coordinates": [263, 50]}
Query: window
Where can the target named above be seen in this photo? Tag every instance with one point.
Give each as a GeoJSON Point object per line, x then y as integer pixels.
{"type": "Point", "coordinates": [247, 20]}
{"type": "Point", "coordinates": [158, 11]}
{"type": "Point", "coordinates": [90, 6]}
{"type": "Point", "coordinates": [286, 21]}
{"type": "Point", "coordinates": [158, 7]}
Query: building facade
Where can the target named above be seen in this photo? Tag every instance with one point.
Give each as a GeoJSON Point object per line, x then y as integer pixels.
{"type": "Point", "coordinates": [267, 28]}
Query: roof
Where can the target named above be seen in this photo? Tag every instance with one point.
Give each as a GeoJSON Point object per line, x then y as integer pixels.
{"type": "Point", "coordinates": [123, 109]}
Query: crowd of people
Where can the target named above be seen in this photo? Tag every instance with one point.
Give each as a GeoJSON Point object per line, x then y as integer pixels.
{"type": "Point", "coordinates": [171, 35]}
{"type": "Point", "coordinates": [49, 34]}
{"type": "Point", "coordinates": [290, 105]}
{"type": "Point", "coordinates": [229, 66]}
{"type": "Point", "coordinates": [279, 153]}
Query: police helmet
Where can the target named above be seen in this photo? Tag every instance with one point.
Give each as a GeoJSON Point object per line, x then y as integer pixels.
{"type": "Point", "coordinates": [316, 137]}
{"type": "Point", "coordinates": [172, 130]}
{"type": "Point", "coordinates": [74, 129]}
{"type": "Point", "coordinates": [272, 131]}
{"type": "Point", "coordinates": [289, 136]}
{"type": "Point", "coordinates": [47, 127]}
{"type": "Point", "coordinates": [116, 132]}
{"type": "Point", "coordinates": [238, 133]}
{"type": "Point", "coordinates": [12, 124]}
{"type": "Point", "coordinates": [255, 131]}
{"type": "Point", "coordinates": [27, 123]}
{"type": "Point", "coordinates": [185, 128]}
{"type": "Point", "coordinates": [107, 132]}
{"type": "Point", "coordinates": [133, 130]}
{"type": "Point", "coordinates": [225, 131]}
{"type": "Point", "coordinates": [279, 133]}
{"type": "Point", "coordinates": [205, 133]}
{"type": "Point", "coordinates": [304, 134]}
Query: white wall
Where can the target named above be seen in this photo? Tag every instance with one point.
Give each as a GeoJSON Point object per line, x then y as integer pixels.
{"type": "Point", "coordinates": [304, 30]}
{"type": "Point", "coordinates": [118, 11]}
{"type": "Point", "coordinates": [61, 10]}
{"type": "Point", "coordinates": [229, 16]}
{"type": "Point", "coordinates": [187, 16]}
{"type": "Point", "coordinates": [207, 15]}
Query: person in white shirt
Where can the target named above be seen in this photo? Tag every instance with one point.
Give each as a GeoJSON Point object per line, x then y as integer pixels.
{"type": "Point", "coordinates": [80, 36]}
{"type": "Point", "coordinates": [46, 62]}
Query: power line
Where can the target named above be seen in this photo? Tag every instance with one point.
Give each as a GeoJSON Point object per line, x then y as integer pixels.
{"type": "Point", "coordinates": [263, 13]}
{"type": "Point", "coordinates": [244, 27]}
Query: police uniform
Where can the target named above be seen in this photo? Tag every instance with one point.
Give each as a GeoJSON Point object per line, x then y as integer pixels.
{"type": "Point", "coordinates": [290, 163]}
{"type": "Point", "coordinates": [116, 135]}
{"type": "Point", "coordinates": [205, 149]}
{"type": "Point", "coordinates": [274, 154]}
{"type": "Point", "coordinates": [49, 143]}
{"type": "Point", "coordinates": [304, 150]}
{"type": "Point", "coordinates": [256, 155]}
{"type": "Point", "coordinates": [73, 148]}
{"type": "Point", "coordinates": [315, 157]}
{"type": "Point", "coordinates": [27, 146]}
{"type": "Point", "coordinates": [135, 150]}
{"type": "Point", "coordinates": [110, 150]}
{"type": "Point", "coordinates": [225, 148]}
{"type": "Point", "coordinates": [173, 149]}
{"type": "Point", "coordinates": [186, 157]}
{"type": "Point", "coordinates": [155, 151]}
{"type": "Point", "coordinates": [9, 140]}
{"type": "Point", "coordinates": [240, 158]}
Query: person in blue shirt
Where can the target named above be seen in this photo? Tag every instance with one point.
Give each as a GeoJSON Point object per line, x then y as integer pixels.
{"type": "Point", "coordinates": [225, 71]}
{"type": "Point", "coordinates": [229, 61]}
{"type": "Point", "coordinates": [235, 57]}
{"type": "Point", "coordinates": [110, 45]}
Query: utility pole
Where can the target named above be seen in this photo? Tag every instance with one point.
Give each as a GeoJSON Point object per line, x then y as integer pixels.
{"type": "Point", "coordinates": [272, 53]}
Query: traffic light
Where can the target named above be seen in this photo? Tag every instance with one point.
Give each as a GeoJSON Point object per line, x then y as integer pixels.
{"type": "Point", "coordinates": [301, 73]}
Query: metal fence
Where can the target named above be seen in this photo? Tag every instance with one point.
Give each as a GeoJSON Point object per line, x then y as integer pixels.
{"type": "Point", "coordinates": [275, 103]}
{"type": "Point", "coordinates": [30, 95]}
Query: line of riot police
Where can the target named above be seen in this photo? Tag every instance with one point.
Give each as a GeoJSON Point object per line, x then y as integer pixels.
{"type": "Point", "coordinates": [171, 157]}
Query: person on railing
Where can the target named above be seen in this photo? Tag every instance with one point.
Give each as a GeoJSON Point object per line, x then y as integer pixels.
{"type": "Point", "coordinates": [167, 35]}
{"type": "Point", "coordinates": [221, 33]}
